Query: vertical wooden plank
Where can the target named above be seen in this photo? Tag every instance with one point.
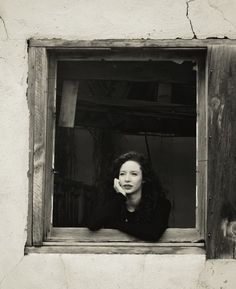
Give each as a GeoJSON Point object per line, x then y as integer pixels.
{"type": "Point", "coordinates": [40, 95]}
{"type": "Point", "coordinates": [68, 103]}
{"type": "Point", "coordinates": [30, 99]}
{"type": "Point", "coordinates": [50, 138]}
{"type": "Point", "coordinates": [201, 151]}
{"type": "Point", "coordinates": [222, 151]}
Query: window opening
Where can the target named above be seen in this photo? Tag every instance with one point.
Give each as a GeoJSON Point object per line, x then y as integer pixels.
{"type": "Point", "coordinates": [105, 108]}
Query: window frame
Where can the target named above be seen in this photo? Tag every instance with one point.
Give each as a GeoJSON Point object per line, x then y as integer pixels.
{"type": "Point", "coordinates": [41, 237]}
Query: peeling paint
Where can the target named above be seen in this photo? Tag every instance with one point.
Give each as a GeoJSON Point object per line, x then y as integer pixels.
{"type": "Point", "coordinates": [214, 105]}
{"type": "Point", "coordinates": [229, 229]}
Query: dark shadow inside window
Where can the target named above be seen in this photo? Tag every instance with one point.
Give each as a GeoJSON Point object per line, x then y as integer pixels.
{"type": "Point", "coordinates": [145, 106]}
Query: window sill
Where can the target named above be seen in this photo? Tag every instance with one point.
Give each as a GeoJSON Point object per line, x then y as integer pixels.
{"type": "Point", "coordinates": [110, 241]}
{"type": "Point", "coordinates": [116, 248]}
{"type": "Point", "coordinates": [171, 235]}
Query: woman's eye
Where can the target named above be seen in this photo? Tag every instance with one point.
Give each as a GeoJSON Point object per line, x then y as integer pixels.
{"type": "Point", "coordinates": [134, 174]}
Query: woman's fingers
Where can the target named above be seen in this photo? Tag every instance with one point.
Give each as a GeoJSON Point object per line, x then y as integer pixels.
{"type": "Point", "coordinates": [116, 184]}
{"type": "Point", "coordinates": [118, 187]}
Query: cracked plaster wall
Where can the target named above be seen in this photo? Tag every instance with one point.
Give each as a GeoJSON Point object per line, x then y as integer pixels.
{"type": "Point", "coordinates": [87, 19]}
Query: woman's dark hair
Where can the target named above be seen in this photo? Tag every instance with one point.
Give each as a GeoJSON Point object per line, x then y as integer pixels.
{"type": "Point", "coordinates": [151, 189]}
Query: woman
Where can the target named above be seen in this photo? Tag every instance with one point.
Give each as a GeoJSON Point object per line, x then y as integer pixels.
{"type": "Point", "coordinates": [137, 205]}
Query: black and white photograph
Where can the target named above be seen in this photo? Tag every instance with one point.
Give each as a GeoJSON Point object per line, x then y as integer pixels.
{"type": "Point", "coordinates": [118, 144]}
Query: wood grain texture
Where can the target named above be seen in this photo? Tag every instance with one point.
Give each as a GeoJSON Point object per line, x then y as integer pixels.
{"type": "Point", "coordinates": [201, 173]}
{"type": "Point", "coordinates": [171, 43]}
{"type": "Point", "coordinates": [116, 248]}
{"type": "Point", "coordinates": [40, 94]}
{"type": "Point", "coordinates": [111, 235]}
{"type": "Point", "coordinates": [30, 99]}
{"type": "Point", "coordinates": [137, 54]}
{"type": "Point", "coordinates": [222, 150]}
{"type": "Point", "coordinates": [50, 138]}
{"type": "Point", "coordinates": [42, 184]}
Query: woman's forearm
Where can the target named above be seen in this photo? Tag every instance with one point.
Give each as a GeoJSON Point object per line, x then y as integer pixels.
{"type": "Point", "coordinates": [103, 214]}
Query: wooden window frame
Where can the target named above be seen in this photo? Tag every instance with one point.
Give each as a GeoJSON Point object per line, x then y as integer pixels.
{"type": "Point", "coordinates": [42, 237]}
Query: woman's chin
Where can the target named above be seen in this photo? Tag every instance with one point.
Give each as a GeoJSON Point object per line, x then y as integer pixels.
{"type": "Point", "coordinates": [129, 192]}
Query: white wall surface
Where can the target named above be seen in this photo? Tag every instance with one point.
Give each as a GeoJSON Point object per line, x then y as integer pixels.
{"type": "Point", "coordinates": [88, 20]}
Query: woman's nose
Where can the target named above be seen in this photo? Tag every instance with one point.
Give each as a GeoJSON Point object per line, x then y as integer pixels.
{"type": "Point", "coordinates": [127, 178]}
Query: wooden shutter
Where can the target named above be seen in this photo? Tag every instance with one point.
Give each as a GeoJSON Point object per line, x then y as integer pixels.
{"type": "Point", "coordinates": [221, 215]}
{"type": "Point", "coordinates": [37, 95]}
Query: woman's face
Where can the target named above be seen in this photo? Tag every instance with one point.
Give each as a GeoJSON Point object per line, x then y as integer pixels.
{"type": "Point", "coordinates": [130, 177]}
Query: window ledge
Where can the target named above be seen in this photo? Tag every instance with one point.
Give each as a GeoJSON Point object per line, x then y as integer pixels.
{"type": "Point", "coordinates": [171, 235]}
{"type": "Point", "coordinates": [111, 241]}
{"type": "Point", "coordinates": [117, 248]}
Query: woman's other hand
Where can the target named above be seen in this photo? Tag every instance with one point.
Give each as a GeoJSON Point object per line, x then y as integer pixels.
{"type": "Point", "coordinates": [118, 187]}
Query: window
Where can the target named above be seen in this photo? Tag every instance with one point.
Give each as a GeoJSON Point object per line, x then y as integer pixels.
{"type": "Point", "coordinates": [106, 108]}
{"type": "Point", "coordinates": [93, 100]}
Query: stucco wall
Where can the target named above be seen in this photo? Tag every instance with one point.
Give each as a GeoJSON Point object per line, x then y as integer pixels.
{"type": "Point", "coordinates": [87, 19]}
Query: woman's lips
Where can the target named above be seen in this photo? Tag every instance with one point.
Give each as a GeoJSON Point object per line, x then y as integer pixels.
{"type": "Point", "coordinates": [127, 187]}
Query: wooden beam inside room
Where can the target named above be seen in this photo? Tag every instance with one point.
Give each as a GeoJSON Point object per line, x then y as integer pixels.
{"type": "Point", "coordinates": [68, 103]}
{"type": "Point", "coordinates": [162, 71]}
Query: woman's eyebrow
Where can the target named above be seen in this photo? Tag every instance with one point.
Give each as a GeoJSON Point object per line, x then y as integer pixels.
{"type": "Point", "coordinates": [133, 171]}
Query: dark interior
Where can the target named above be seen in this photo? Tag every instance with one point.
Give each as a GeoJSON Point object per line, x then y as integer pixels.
{"type": "Point", "coordinates": [147, 106]}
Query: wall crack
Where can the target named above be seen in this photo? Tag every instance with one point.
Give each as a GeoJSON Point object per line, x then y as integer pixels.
{"type": "Point", "coordinates": [5, 27]}
{"type": "Point", "coordinates": [190, 21]}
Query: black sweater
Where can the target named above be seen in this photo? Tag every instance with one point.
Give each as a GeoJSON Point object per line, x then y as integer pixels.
{"type": "Point", "coordinates": [113, 214]}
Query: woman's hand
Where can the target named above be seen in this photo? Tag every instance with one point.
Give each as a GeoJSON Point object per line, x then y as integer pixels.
{"type": "Point", "coordinates": [118, 187]}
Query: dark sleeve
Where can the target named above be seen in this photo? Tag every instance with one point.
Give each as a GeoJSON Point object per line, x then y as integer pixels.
{"type": "Point", "coordinates": [149, 231]}
{"type": "Point", "coordinates": [106, 213]}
